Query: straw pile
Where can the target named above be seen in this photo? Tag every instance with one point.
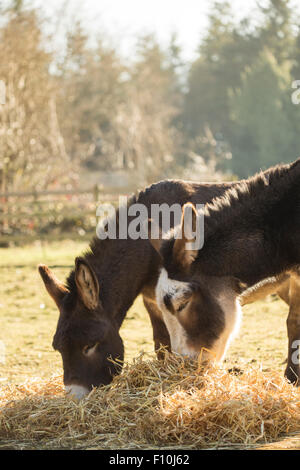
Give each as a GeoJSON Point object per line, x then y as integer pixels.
{"type": "Point", "coordinates": [154, 404]}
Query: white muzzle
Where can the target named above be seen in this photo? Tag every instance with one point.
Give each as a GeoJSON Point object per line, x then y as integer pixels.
{"type": "Point", "coordinates": [76, 391]}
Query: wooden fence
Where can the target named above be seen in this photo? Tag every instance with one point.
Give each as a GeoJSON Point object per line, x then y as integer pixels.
{"type": "Point", "coordinates": [53, 215]}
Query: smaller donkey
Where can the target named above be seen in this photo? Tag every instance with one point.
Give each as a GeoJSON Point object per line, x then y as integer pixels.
{"type": "Point", "coordinates": [251, 233]}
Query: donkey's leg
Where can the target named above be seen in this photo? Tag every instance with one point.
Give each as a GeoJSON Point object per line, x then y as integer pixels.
{"type": "Point", "coordinates": [160, 333]}
{"type": "Point", "coordinates": [284, 291]}
{"type": "Point", "coordinates": [280, 285]}
{"type": "Point", "coordinates": [292, 371]}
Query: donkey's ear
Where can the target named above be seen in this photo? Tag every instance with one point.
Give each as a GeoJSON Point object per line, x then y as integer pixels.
{"type": "Point", "coordinates": [155, 235]}
{"type": "Point", "coordinates": [87, 283]}
{"type": "Point", "coordinates": [183, 254]}
{"type": "Point", "coordinates": [55, 288]}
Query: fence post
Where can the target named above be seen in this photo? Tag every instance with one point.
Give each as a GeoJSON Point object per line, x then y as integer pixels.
{"type": "Point", "coordinates": [96, 192]}
{"type": "Point", "coordinates": [5, 214]}
{"type": "Point", "coordinates": [5, 200]}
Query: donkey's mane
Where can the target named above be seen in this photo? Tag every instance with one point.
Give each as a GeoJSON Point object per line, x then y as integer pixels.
{"type": "Point", "coordinates": [98, 248]}
{"type": "Point", "coordinates": [251, 196]}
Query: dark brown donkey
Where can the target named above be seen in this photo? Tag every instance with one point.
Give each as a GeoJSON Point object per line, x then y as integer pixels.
{"type": "Point", "coordinates": [94, 300]}
{"type": "Point", "coordinates": [251, 233]}
{"type": "Point", "coordinates": [99, 291]}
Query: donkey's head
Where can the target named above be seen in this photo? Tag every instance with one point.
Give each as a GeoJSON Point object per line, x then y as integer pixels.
{"type": "Point", "coordinates": [200, 311]}
{"type": "Point", "coordinates": [86, 336]}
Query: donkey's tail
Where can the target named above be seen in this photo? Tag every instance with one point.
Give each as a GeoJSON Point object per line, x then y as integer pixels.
{"type": "Point", "coordinates": [264, 288]}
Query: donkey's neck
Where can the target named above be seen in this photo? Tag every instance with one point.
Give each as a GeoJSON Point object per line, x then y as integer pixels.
{"type": "Point", "coordinates": [124, 266]}
{"type": "Point", "coordinates": [253, 232]}
{"type": "Point", "coordinates": [122, 269]}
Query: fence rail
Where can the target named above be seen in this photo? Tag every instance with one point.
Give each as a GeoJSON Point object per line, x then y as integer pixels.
{"type": "Point", "coordinates": [95, 190]}
{"type": "Point", "coordinates": [53, 214]}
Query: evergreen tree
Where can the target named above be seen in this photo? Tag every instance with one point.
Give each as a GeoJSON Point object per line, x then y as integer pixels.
{"type": "Point", "coordinates": [276, 32]}
{"type": "Point", "coordinates": [265, 126]}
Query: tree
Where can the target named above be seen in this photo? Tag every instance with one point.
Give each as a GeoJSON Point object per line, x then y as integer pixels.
{"type": "Point", "coordinates": [223, 55]}
{"type": "Point", "coordinates": [116, 116]}
{"type": "Point", "coordinates": [231, 64]}
{"type": "Point", "coordinates": [276, 32]}
{"type": "Point", "coordinates": [266, 127]}
{"type": "Point", "coordinates": [31, 146]}
{"type": "Point", "coordinates": [92, 88]}
{"type": "Point", "coordinates": [144, 130]}
{"type": "Point", "coordinates": [296, 57]}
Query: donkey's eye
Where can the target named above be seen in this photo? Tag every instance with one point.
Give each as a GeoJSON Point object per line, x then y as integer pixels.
{"type": "Point", "coordinates": [88, 350]}
{"type": "Point", "coordinates": [182, 306]}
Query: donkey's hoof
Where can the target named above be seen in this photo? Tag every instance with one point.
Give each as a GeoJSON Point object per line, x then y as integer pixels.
{"type": "Point", "coordinates": [292, 376]}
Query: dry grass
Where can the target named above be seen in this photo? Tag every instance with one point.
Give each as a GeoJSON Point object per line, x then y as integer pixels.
{"type": "Point", "coordinates": [154, 404]}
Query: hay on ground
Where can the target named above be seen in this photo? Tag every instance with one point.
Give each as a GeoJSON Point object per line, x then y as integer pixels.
{"type": "Point", "coordinates": [154, 404]}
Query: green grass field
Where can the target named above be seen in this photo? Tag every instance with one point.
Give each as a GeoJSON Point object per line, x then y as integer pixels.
{"type": "Point", "coordinates": [28, 318]}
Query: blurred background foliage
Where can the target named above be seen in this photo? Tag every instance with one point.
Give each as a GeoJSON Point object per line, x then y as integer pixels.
{"type": "Point", "coordinates": [84, 109]}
